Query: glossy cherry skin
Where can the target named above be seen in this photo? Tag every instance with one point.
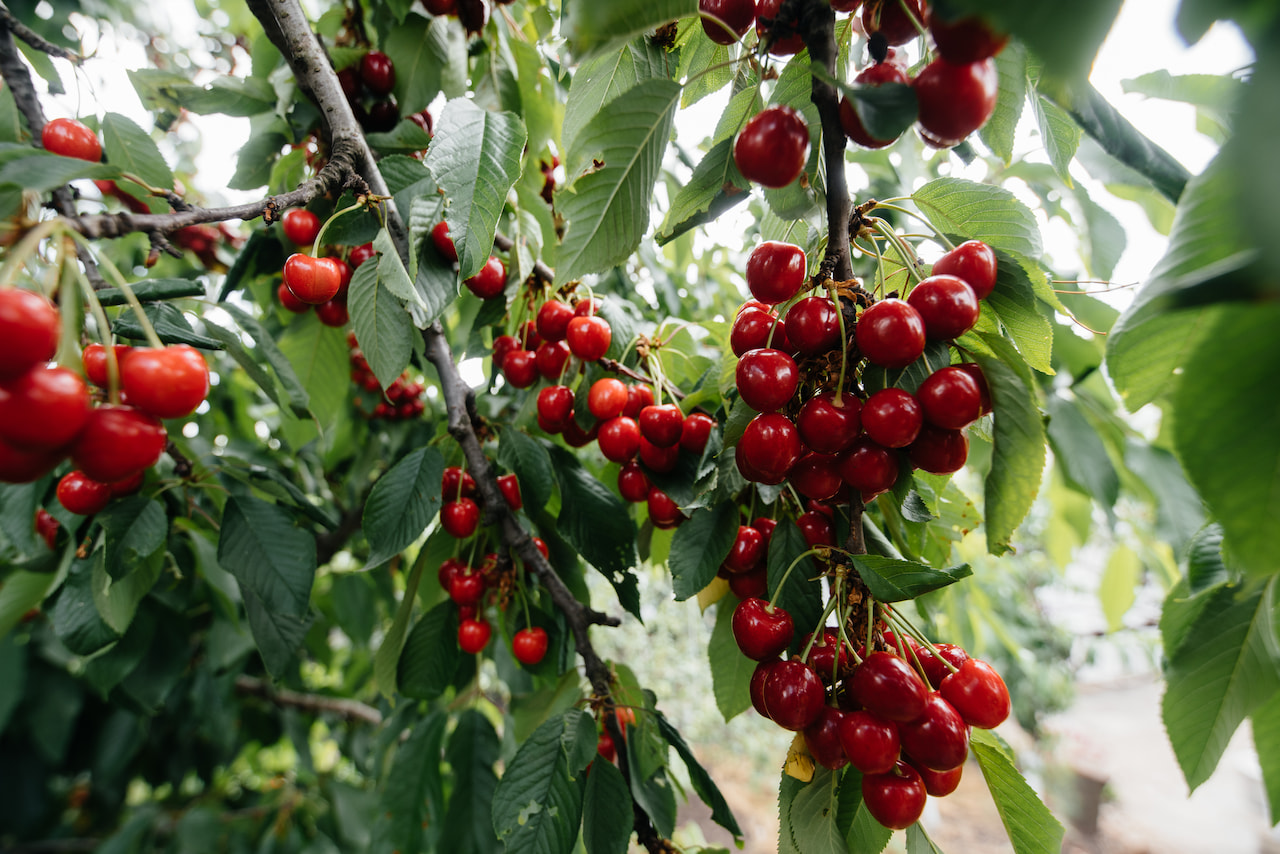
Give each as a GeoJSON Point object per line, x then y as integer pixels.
{"type": "Point", "coordinates": [890, 20]}
{"type": "Point", "coordinates": [736, 15]}
{"type": "Point", "coordinates": [695, 432]}
{"type": "Point", "coordinates": [633, 484]}
{"type": "Point", "coordinates": [887, 686]}
{"type": "Point", "coordinates": [588, 307]}
{"type": "Point", "coordinates": [118, 442]}
{"type": "Point", "coordinates": [490, 281]}
{"type": "Point", "coordinates": [822, 737]}
{"type": "Point", "coordinates": [128, 485]}
{"type": "Point", "coordinates": [793, 694]}
{"type": "Point", "coordinates": [43, 409]}
{"type": "Point", "coordinates": [638, 397]}
{"type": "Point", "coordinates": [869, 467]}
{"type": "Point", "coordinates": [662, 424]}
{"type": "Point", "coordinates": [769, 447]}
{"type": "Point", "coordinates": [589, 337]}
{"type": "Point", "coordinates": [460, 518]}
{"type": "Point", "coordinates": [71, 138]}
{"type": "Point", "coordinates": [763, 631]}
{"type": "Point", "coordinates": [520, 367]}
{"type": "Point", "coordinates": [443, 242]}
{"type": "Point", "coordinates": [895, 799]}
{"type": "Point", "coordinates": [289, 301]}
{"type": "Point", "coordinates": [947, 305]}
{"type": "Point", "coordinates": [967, 39]}
{"type": "Point", "coordinates": [978, 694]}
{"type": "Point", "coordinates": [747, 550]}
{"type": "Point", "coordinates": [553, 320]}
{"type": "Point", "coordinates": [21, 466]}
{"type": "Point", "coordinates": [773, 147]}
{"type": "Point", "coordinates": [529, 646]}
{"type": "Point", "coordinates": [891, 334]}
{"type": "Point", "coordinates": [449, 569]}
{"type": "Point", "coordinates": [466, 587]}
{"type": "Point", "coordinates": [619, 439]}
{"type": "Point", "coordinates": [312, 280]}
{"type": "Point", "coordinates": [378, 72]}
{"type": "Point", "coordinates": [766, 11]}
{"type": "Point", "coordinates": [934, 670]}
{"type": "Point", "coordinates": [939, 451]}
{"type": "Point", "coordinates": [555, 404]}
{"type": "Point", "coordinates": [300, 226]}
{"type": "Point", "coordinates": [984, 391]}
{"type": "Point", "coordinates": [816, 528]}
{"type": "Point", "coordinates": [827, 428]}
{"type": "Point", "coordinates": [870, 742]}
{"type": "Point", "coordinates": [502, 346]}
{"type": "Point", "coordinates": [767, 379]}
{"type": "Point", "coordinates": [47, 527]}
{"type": "Point", "coordinates": [333, 313]}
{"type": "Point", "coordinates": [83, 495]}
{"type": "Point", "coordinates": [167, 383]}
{"type": "Point", "coordinates": [658, 459]}
{"type": "Point", "coordinates": [955, 100]}
{"type": "Point", "coordinates": [28, 331]}
{"type": "Point", "coordinates": [576, 436]}
{"type": "Point", "coordinates": [973, 261]}
{"type": "Point", "coordinates": [816, 476]}
{"type": "Point", "coordinates": [751, 330]}
{"type": "Point", "coordinates": [360, 254]}
{"type": "Point", "coordinates": [892, 418]}
{"type": "Point", "coordinates": [551, 358]}
{"type": "Point", "coordinates": [950, 398]}
{"type": "Point", "coordinates": [813, 326]}
{"type": "Point", "coordinates": [775, 271]}
{"type": "Point", "coordinates": [872, 76]}
{"type": "Point", "coordinates": [749, 584]}
{"type": "Point", "coordinates": [663, 511]}
{"type": "Point", "coordinates": [822, 655]}
{"type": "Point", "coordinates": [510, 488]}
{"type": "Point", "coordinates": [473, 635]}
{"type": "Point", "coordinates": [605, 746]}
{"type": "Point", "coordinates": [940, 783]}
{"type": "Point", "coordinates": [456, 483]}
{"type": "Point", "coordinates": [938, 738]}
{"type": "Point", "coordinates": [756, 687]}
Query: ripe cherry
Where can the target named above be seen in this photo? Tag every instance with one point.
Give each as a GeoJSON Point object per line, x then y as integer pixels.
{"type": "Point", "coordinates": [695, 432]}
{"type": "Point", "coordinates": [895, 799]}
{"type": "Point", "coordinates": [978, 694]}
{"type": "Point", "coordinates": [502, 345]}
{"type": "Point", "coordinates": [955, 100]}
{"type": "Point", "coordinates": [71, 138]}
{"type": "Point", "coordinates": [619, 439]}
{"type": "Point", "coordinates": [46, 527]}
{"type": "Point", "coordinates": [886, 685]}
{"type": "Point", "coordinates": [443, 242]}
{"type": "Point", "coordinates": [490, 281]}
{"type": "Point", "coordinates": [940, 783]}
{"type": "Point", "coordinates": [658, 459]}
{"type": "Point", "coordinates": [938, 737]}
{"type": "Point", "coordinates": [827, 428]}
{"type": "Point", "coordinates": [117, 442]}
{"type": "Point", "coordinates": [28, 331]}
{"type": "Point", "coordinates": [43, 409]}
{"type": "Point", "coordinates": [529, 646]}
{"type": "Point", "coordinates": [973, 261]}
{"type": "Point", "coordinates": [333, 313]}
{"type": "Point", "coordinates": [638, 397]}
{"type": "Point", "coordinates": [775, 271]}
{"type": "Point", "coordinates": [83, 495]}
{"type": "Point", "coordinates": [449, 568]}
{"type": "Point", "coordinates": [822, 737]}
{"type": "Point", "coordinates": [763, 631]}
{"type": "Point", "coordinates": [939, 451]}
{"type": "Point", "coordinates": [289, 301]}
{"type": "Point", "coordinates": [589, 337]}
{"type": "Point", "coordinates": [607, 398]}
{"type": "Point", "coordinates": [751, 330]}
{"type": "Point", "coordinates": [551, 357]}
{"type": "Point", "coordinates": [872, 77]}
{"type": "Point", "coordinates": [555, 405]}
{"type": "Point", "coordinates": [793, 694]}
{"type": "Point", "coordinates": [466, 586]}
{"type": "Point", "coordinates": [822, 655]}
{"type": "Point", "coordinates": [473, 635]}
{"type": "Point", "coordinates": [947, 305]}
{"type": "Point", "coordinates": [767, 379]}
{"type": "Point", "coordinates": [984, 391]}
{"type": "Point", "coordinates": [383, 116]}
{"type": "Point", "coordinates": [576, 437]}
{"type": "Point", "coordinates": [749, 584]}
{"type": "Point", "coordinates": [167, 383]}
{"type": "Point", "coordinates": [361, 253]}
{"type": "Point", "coordinates": [766, 12]}
{"type": "Point", "coordinates": [890, 333]}
{"type": "Point", "coordinates": [589, 307]}
{"type": "Point", "coordinates": [756, 687]}
{"type": "Point", "coordinates": [520, 367]}
{"type": "Point", "coordinates": [663, 510]}
{"type": "Point", "coordinates": [553, 320]}
{"type": "Point", "coordinates": [605, 746]}
{"type": "Point", "coordinates": [892, 418]}
{"type": "Point", "coordinates": [312, 280]}
{"type": "Point", "coordinates": [769, 447]}
{"type": "Point", "coordinates": [870, 742]}
{"type": "Point", "coordinates": [460, 518]}
{"type": "Point", "coordinates": [890, 20]}
{"type": "Point", "coordinates": [662, 424]}
{"type": "Point", "coordinates": [21, 466]}
{"type": "Point", "coordinates": [456, 483]}
{"type": "Point", "coordinates": [816, 476]}
{"type": "Point", "coordinates": [966, 39]}
{"type": "Point", "coordinates": [747, 551]}
{"type": "Point", "coordinates": [726, 21]}
{"type": "Point", "coordinates": [868, 467]}
{"type": "Point", "coordinates": [633, 484]}
{"type": "Point", "coordinates": [773, 147]}
{"type": "Point", "coordinates": [813, 326]}
{"type": "Point", "coordinates": [510, 487]}
{"type": "Point", "coordinates": [950, 398]}
{"type": "Point", "coordinates": [300, 226]}
{"type": "Point", "coordinates": [934, 670]}
{"type": "Point", "coordinates": [378, 72]}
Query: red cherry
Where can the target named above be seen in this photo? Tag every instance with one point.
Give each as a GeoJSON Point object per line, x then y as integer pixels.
{"type": "Point", "coordinates": [658, 459]}
{"type": "Point", "coordinates": [460, 518]}
{"type": "Point", "coordinates": [607, 398]}
{"type": "Point", "coordinates": [695, 432]}
{"type": "Point", "coordinates": [550, 358]}
{"type": "Point", "coordinates": [541, 545]}
{"type": "Point", "coordinates": [586, 307]}
{"type": "Point", "coordinates": [520, 367]}
{"type": "Point", "coordinates": [456, 483]}
{"type": "Point", "coordinates": [775, 271]}
{"type": "Point", "coordinates": [767, 379]}
{"type": "Point", "coordinates": [466, 586]}
{"type": "Point", "coordinates": [892, 418]}
{"type": "Point", "coordinates": [638, 397]}
{"type": "Point", "coordinates": [632, 483]}
{"type": "Point", "coordinates": [934, 670]}
{"type": "Point", "coordinates": [827, 428]}
{"type": "Point", "coordinates": [361, 253]}
{"type": "Point", "coordinates": [44, 409]}
{"type": "Point", "coordinates": [886, 685]}
{"type": "Point", "coordinates": [28, 331]}
{"type": "Point", "coordinates": [822, 655]}
{"type": "Point", "coordinates": [490, 281]}
{"type": "Point", "coordinates": [756, 687]}
{"type": "Point", "coordinates": [822, 737]}
{"type": "Point", "coordinates": [984, 391]}
{"type": "Point", "coordinates": [967, 39]}
{"type": "Point", "coordinates": [726, 21]}
{"type": "Point", "coordinates": [872, 77]}
{"type": "Point", "coordinates": [589, 337]}
{"type": "Point", "coordinates": [344, 284]}
{"type": "Point", "coordinates": [312, 280]}
{"type": "Point", "coordinates": [167, 383]}
{"type": "Point", "coordinates": [333, 313]}
{"type": "Point", "coordinates": [577, 437]}
{"type": "Point", "coordinates": [83, 495]}
{"type": "Point", "coordinates": [870, 742]}
{"type": "Point", "coordinates": [749, 584]}
{"type": "Point", "coordinates": [128, 485]}
{"type": "Point", "coordinates": [449, 569]}
{"type": "Point", "coordinates": [300, 226]}
{"type": "Point", "coordinates": [769, 447]}
{"type": "Point", "coordinates": [955, 100]}
{"type": "Point", "coordinates": [118, 442]}
{"type": "Point", "coordinates": [939, 451]}
{"type": "Point", "coordinates": [751, 328]}
{"type": "Point", "coordinates": [502, 345]}
{"type": "Point", "coordinates": [555, 405]}
{"type": "Point", "coordinates": [890, 333]}
{"type": "Point", "coordinates": [605, 746]}
{"type": "Point", "coordinates": [289, 301]}
{"type": "Point", "coordinates": [938, 737]}
{"type": "Point", "coordinates": [473, 635]}
{"type": "Point", "coordinates": [378, 72]}
{"type": "Point", "coordinates": [950, 398]}
{"type": "Point", "coordinates": [773, 147]}
{"type": "Point", "coordinates": [619, 439]}
{"type": "Point", "coordinates": [766, 12]}
{"type": "Point", "coordinates": [763, 631]}
{"type": "Point", "coordinates": [443, 242]}
{"type": "Point", "coordinates": [662, 425]}
{"type": "Point", "coordinates": [816, 476]}
{"type": "Point", "coordinates": [845, 5]}
{"type": "Point", "coordinates": [813, 326]}
{"type": "Point", "coordinates": [978, 694]}
{"type": "Point", "coordinates": [71, 138]}
{"type": "Point", "coordinates": [748, 549]}
{"type": "Point", "coordinates": [895, 799]}
{"type": "Point", "coordinates": [553, 320]}
{"type": "Point", "coordinates": [510, 487]}
{"type": "Point", "coordinates": [663, 511]}
{"type": "Point", "coordinates": [94, 359]}
{"type": "Point", "coordinates": [46, 527]}
{"type": "Point", "coordinates": [869, 467]}
{"type": "Point", "coordinates": [888, 18]}
{"type": "Point", "coordinates": [22, 466]}
{"type": "Point", "coordinates": [973, 261]}
{"type": "Point", "coordinates": [940, 783]}
{"type": "Point", "coordinates": [793, 694]}
{"type": "Point", "coordinates": [947, 305]}
{"type": "Point", "coordinates": [529, 646]}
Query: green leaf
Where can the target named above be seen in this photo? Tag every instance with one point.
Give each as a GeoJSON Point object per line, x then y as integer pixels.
{"type": "Point", "coordinates": [472, 752]}
{"type": "Point", "coordinates": [1080, 454]}
{"type": "Point", "coordinates": [1205, 567]}
{"type": "Point", "coordinates": [600, 80]}
{"type": "Point", "coordinates": [320, 362]}
{"type": "Point", "coordinates": [1182, 610]}
{"type": "Point", "coordinates": [267, 136]}
{"type": "Point", "coordinates": [41, 171]}
{"type": "Point", "coordinates": [117, 599]}
{"type": "Point", "coordinates": [701, 780]}
{"type": "Point", "coordinates": [730, 670]}
{"type": "Point", "coordinates": [475, 157]}
{"type": "Point", "coordinates": [706, 67]}
{"type": "Point", "coordinates": [1179, 510]}
{"type": "Point", "coordinates": [169, 323]}
{"type": "Point", "coordinates": [1117, 589]}
{"type": "Point", "coordinates": [815, 811]}
{"type": "Point", "coordinates": [402, 503]}
{"type": "Point", "coordinates": [275, 564]}
{"type": "Point", "coordinates": [150, 290]}
{"type": "Point", "coordinates": [421, 48]}
{"type": "Point", "coordinates": [1065, 36]}
{"type": "Point", "coordinates": [1018, 455]}
{"type": "Point", "coordinates": [267, 349]}
{"type": "Point", "coordinates": [431, 654]}
{"type": "Point", "coordinates": [699, 546]}
{"type": "Point", "coordinates": [607, 208]}
{"type": "Point", "coordinates": [998, 132]}
{"type": "Point", "coordinates": [538, 803]}
{"type": "Point", "coordinates": [381, 324]}
{"type": "Point", "coordinates": [1106, 235]}
{"type": "Point", "coordinates": [135, 528]}
{"type": "Point", "coordinates": [865, 833]}
{"type": "Point", "coordinates": [891, 580]}
{"type": "Point", "coordinates": [1060, 134]}
{"type": "Point", "coordinates": [918, 842]}
{"type": "Point", "coordinates": [13, 674]}
{"type": "Point", "coordinates": [715, 186]}
{"type": "Point", "coordinates": [937, 354]}
{"type": "Point", "coordinates": [528, 459]}
{"type": "Point", "coordinates": [593, 28]}
{"type": "Point", "coordinates": [1031, 827]}
{"type": "Point", "coordinates": [131, 149]}
{"type": "Point", "coordinates": [980, 211]}
{"type": "Point", "coordinates": [606, 811]}
{"type": "Point", "coordinates": [1265, 722]}
{"type": "Point", "coordinates": [801, 596]}
{"type": "Point", "coordinates": [21, 592]}
{"type": "Point", "coordinates": [74, 616]}
{"type": "Point", "coordinates": [386, 661]}
{"type": "Point", "coordinates": [412, 797]}
{"type": "Point", "coordinates": [1221, 672]}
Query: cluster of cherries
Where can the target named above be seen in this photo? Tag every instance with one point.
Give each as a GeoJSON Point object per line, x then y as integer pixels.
{"type": "Point", "coordinates": [822, 438]}
{"type": "Point", "coordinates": [367, 86]}
{"type": "Point", "coordinates": [401, 401]}
{"type": "Point", "coordinates": [320, 281]}
{"type": "Point", "coordinates": [47, 413]}
{"type": "Point", "coordinates": [901, 715]}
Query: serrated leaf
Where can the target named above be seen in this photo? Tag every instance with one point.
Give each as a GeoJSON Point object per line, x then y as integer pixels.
{"type": "Point", "coordinates": [386, 661]}
{"type": "Point", "coordinates": [607, 209]}
{"type": "Point", "coordinates": [701, 780]}
{"type": "Point", "coordinates": [980, 211]}
{"type": "Point", "coordinates": [815, 815]}
{"type": "Point", "coordinates": [412, 798]}
{"type": "Point", "coordinates": [1117, 587]}
{"type": "Point", "coordinates": [131, 149]}
{"type": "Point", "coordinates": [135, 528]}
{"type": "Point", "coordinates": [472, 752]}
{"type": "Point", "coordinates": [402, 503]}
{"type": "Point", "coordinates": [538, 803]}
{"type": "Point", "coordinates": [431, 654]}
{"type": "Point", "coordinates": [1205, 566]}
{"type": "Point", "coordinates": [1106, 235]}
{"type": "Point", "coordinates": [1065, 37]}
{"type": "Point", "coordinates": [391, 272]}
{"type": "Point", "coordinates": [266, 349]}
{"type": "Point", "coordinates": [699, 546]}
{"type": "Point", "coordinates": [1080, 453]}
{"type": "Point", "coordinates": [169, 323]}
{"type": "Point", "coordinates": [74, 617]}
{"type": "Point", "coordinates": [320, 362]}
{"type": "Point", "coordinates": [1031, 827]}
{"type": "Point", "coordinates": [382, 325]}
{"type": "Point", "coordinates": [475, 157]}
{"type": "Point", "coordinates": [891, 580]}
{"type": "Point", "coordinates": [730, 669]}
{"type": "Point", "coordinates": [865, 835]}
{"type": "Point", "coordinates": [801, 596]}
{"type": "Point", "coordinates": [606, 811]}
{"type": "Point", "coordinates": [998, 132]}
{"type": "Point", "coordinates": [42, 171]}
{"type": "Point", "coordinates": [600, 80]}
{"type": "Point", "coordinates": [715, 186]}
{"type": "Point", "coordinates": [1060, 134]}
{"type": "Point", "coordinates": [529, 460]}
{"type": "Point", "coordinates": [420, 47]}
{"type": "Point", "coordinates": [918, 842]}
{"type": "Point", "coordinates": [593, 28]}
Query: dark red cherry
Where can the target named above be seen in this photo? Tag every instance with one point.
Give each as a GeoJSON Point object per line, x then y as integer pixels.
{"type": "Point", "coordinates": [816, 476]}
{"type": "Point", "coordinates": [956, 100]}
{"type": "Point", "coordinates": [813, 326]}
{"type": "Point", "coordinates": [607, 398]}
{"type": "Point", "coordinates": [870, 742]}
{"type": "Point", "coordinates": [663, 511]}
{"type": "Point", "coordinates": [890, 333]}
{"type": "Point", "coordinates": [775, 271]}
{"type": "Point", "coordinates": [938, 737]}
{"type": "Point", "coordinates": [939, 451]}
{"type": "Point", "coordinates": [934, 670]}
{"type": "Point", "coordinates": [551, 358]}
{"type": "Point", "coordinates": [633, 485]}
{"type": "Point", "coordinates": [766, 12]}
{"type": "Point", "coordinates": [872, 76]}
{"type": "Point", "coordinates": [763, 631]}
{"type": "Point", "coordinates": [896, 24]}
{"type": "Point", "coordinates": [940, 783]}
{"type": "Point", "coordinates": [793, 694]}
{"type": "Point", "coordinates": [822, 737]}
{"type": "Point", "coordinates": [726, 21]}
{"type": "Point", "coordinates": [747, 550]}
{"type": "Point", "coordinates": [965, 39]}
{"type": "Point", "coordinates": [978, 694]}
{"type": "Point", "coordinates": [950, 398]}
{"type": "Point", "coordinates": [973, 261]}
{"type": "Point", "coordinates": [662, 424]}
{"type": "Point", "coordinates": [816, 528]}
{"type": "Point", "coordinates": [619, 439]}
{"type": "Point", "coordinates": [886, 685]}
{"type": "Point", "coordinates": [767, 379]}
{"type": "Point", "coordinates": [892, 418]}
{"type": "Point", "coordinates": [895, 799]}
{"type": "Point", "coordinates": [869, 467]}
{"type": "Point", "coordinates": [695, 432]}
{"type": "Point", "coordinates": [520, 367]}
{"type": "Point", "coordinates": [827, 428]}
{"type": "Point", "coordinates": [769, 447]}
{"type": "Point", "coordinates": [773, 146]}
{"type": "Point", "coordinates": [658, 459]}
{"type": "Point", "coordinates": [947, 305]}
{"type": "Point", "coordinates": [553, 320]}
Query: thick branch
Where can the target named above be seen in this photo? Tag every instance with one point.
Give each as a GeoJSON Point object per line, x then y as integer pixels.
{"type": "Point", "coordinates": [34, 39]}
{"type": "Point", "coordinates": [351, 710]}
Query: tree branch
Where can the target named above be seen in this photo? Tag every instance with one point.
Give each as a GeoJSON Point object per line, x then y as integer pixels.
{"type": "Point", "coordinates": [34, 39]}
{"type": "Point", "coordinates": [350, 710]}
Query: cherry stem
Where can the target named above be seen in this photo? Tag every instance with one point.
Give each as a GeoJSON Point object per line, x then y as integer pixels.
{"type": "Point", "coordinates": [315, 247]}
{"type": "Point", "coordinates": [906, 625]}
{"type": "Point", "coordinates": [915, 22]}
{"type": "Point", "coordinates": [104, 334]}
{"type": "Point", "coordinates": [936, 232]}
{"type": "Point", "coordinates": [844, 343]}
{"type": "Point", "coordinates": [145, 322]}
{"type": "Point", "coordinates": [25, 248]}
{"type": "Point", "coordinates": [908, 257]}
{"type": "Point", "coordinates": [820, 628]}
{"type": "Point", "coordinates": [773, 600]}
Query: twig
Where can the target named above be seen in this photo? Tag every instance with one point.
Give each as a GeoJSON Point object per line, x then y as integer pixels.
{"type": "Point", "coordinates": [34, 39]}
{"type": "Point", "coordinates": [351, 710]}
{"type": "Point", "coordinates": [542, 271]}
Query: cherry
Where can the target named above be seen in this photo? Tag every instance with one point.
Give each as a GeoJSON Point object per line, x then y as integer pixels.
{"type": "Point", "coordinates": [769, 447]}
{"type": "Point", "coordinates": [726, 21]}
{"type": "Point", "coordinates": [748, 549]}
{"type": "Point", "coordinates": [756, 687]}
{"type": "Point", "coordinates": [449, 569]}
{"type": "Point", "coordinates": [762, 630]}
{"type": "Point", "coordinates": [663, 511]}
{"type": "Point", "coordinates": [892, 418]}
{"type": "Point", "coordinates": [890, 20]}
{"type": "Point", "coordinates": [466, 586]}
{"type": "Point", "coordinates": [870, 742]}
{"type": "Point", "coordinates": [166, 383]}
{"type": "Point", "coordinates": [490, 281]}
{"type": "Point", "coordinates": [128, 485]}
{"type": "Point", "coordinates": [577, 437]}
{"type": "Point", "coordinates": [947, 305]}
{"type": "Point", "coordinates": [890, 333]}
{"type": "Point", "coordinates": [383, 116]}
{"type": "Point", "coordinates": [71, 138]}
{"type": "Point", "coordinates": [118, 442]}
{"type": "Point", "coordinates": [510, 487]}
{"type": "Point", "coordinates": [767, 379]}
{"type": "Point", "coordinates": [589, 337]}
{"type": "Point", "coordinates": [813, 326]}
{"type": "Point", "coordinates": [333, 313]}
{"type": "Point", "coordinates": [361, 253]}
{"type": "Point", "coordinates": [749, 584]}
{"type": "Point", "coordinates": [555, 405]}
{"type": "Point", "coordinates": [966, 39]}
{"type": "Point", "coordinates": [352, 88]}
{"type": "Point", "coordinates": [822, 737]}
{"type": "Point", "coordinates": [868, 467]}
{"type": "Point", "coordinates": [442, 7]}
{"type": "Point", "coordinates": [520, 367]}
{"type": "Point", "coordinates": [939, 451]}
{"type": "Point", "coordinates": [22, 466]}
{"type": "Point", "coordinates": [529, 646]}
{"type": "Point", "coordinates": [83, 495]}
{"type": "Point", "coordinates": [895, 799]}
{"type": "Point", "coordinates": [751, 329]}
{"type": "Point", "coordinates": [955, 100]}
{"type": "Point", "coordinates": [978, 694]}
{"type": "Point", "coordinates": [289, 301]}
{"type": "Point", "coordinates": [793, 694]}
{"type": "Point", "coordinates": [934, 670]}
{"type": "Point", "coordinates": [638, 397]}
{"type": "Point", "coordinates": [473, 635]}
{"type": "Point", "coordinates": [456, 483]}
{"type": "Point", "coordinates": [658, 459]}
{"type": "Point", "coordinates": [551, 357]}
{"type": "Point", "coordinates": [973, 261]}
{"type": "Point", "coordinates": [827, 428]}
{"type": "Point", "coordinates": [605, 746]}
{"type": "Point", "coordinates": [312, 280]}
{"type": "Point", "coordinates": [503, 345]}
{"type": "Point", "coordinates": [938, 737]}
{"type": "Point", "coordinates": [633, 484]}
{"type": "Point", "coordinates": [695, 432]}
{"type": "Point", "coordinates": [775, 271]}
{"type": "Point", "coordinates": [950, 398]}
{"type": "Point", "coordinates": [766, 12]}
{"type": "Point", "coordinates": [44, 409]}
{"type": "Point", "coordinates": [773, 146]}
{"type": "Point", "coordinates": [378, 72]}
{"type": "Point", "coordinates": [300, 226]}
{"type": "Point", "coordinates": [662, 424]}
{"type": "Point", "coordinates": [28, 332]}
{"type": "Point", "coordinates": [886, 685]}
{"type": "Point", "coordinates": [459, 518]}
{"type": "Point", "coordinates": [589, 307]}
{"type": "Point", "coordinates": [47, 527]}
{"type": "Point", "coordinates": [816, 528]}
{"type": "Point", "coordinates": [822, 655]}
{"type": "Point", "coordinates": [871, 77]}
{"type": "Point", "coordinates": [984, 391]}
{"type": "Point", "coordinates": [607, 398]}
{"type": "Point", "coordinates": [553, 320]}
{"type": "Point", "coordinates": [541, 545]}
{"type": "Point", "coordinates": [940, 783]}
{"type": "Point", "coordinates": [619, 439]}
{"type": "Point", "coordinates": [443, 242]}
